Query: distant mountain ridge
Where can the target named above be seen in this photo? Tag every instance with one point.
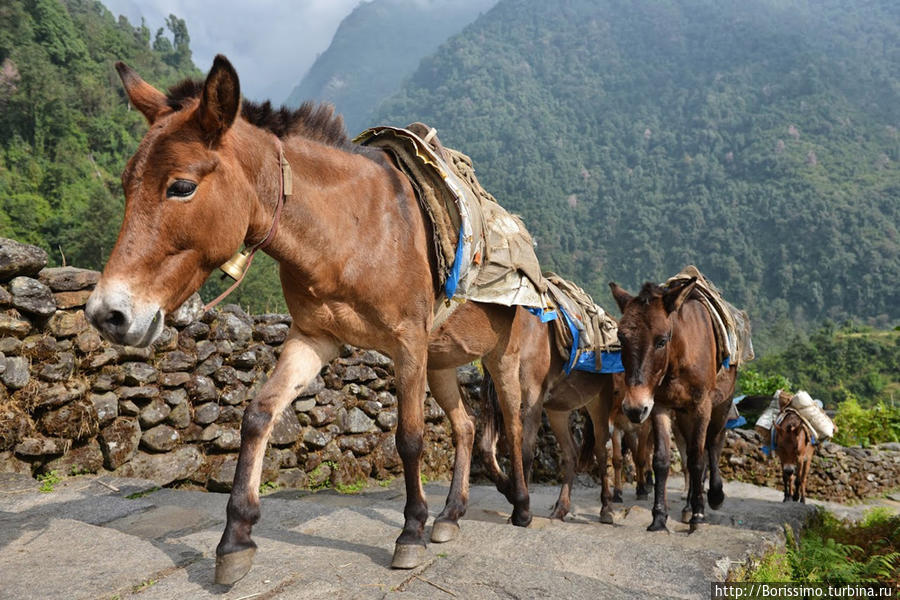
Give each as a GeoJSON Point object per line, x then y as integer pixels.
{"type": "Point", "coordinates": [375, 48]}
{"type": "Point", "coordinates": [757, 139]}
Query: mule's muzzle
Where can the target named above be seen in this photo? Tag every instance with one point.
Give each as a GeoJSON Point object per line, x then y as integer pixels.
{"type": "Point", "coordinates": [637, 414]}
{"type": "Point", "coordinates": [788, 469]}
{"type": "Point", "coordinates": [115, 317]}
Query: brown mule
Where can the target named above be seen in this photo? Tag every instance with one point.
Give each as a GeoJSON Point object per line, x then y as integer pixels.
{"type": "Point", "coordinates": [636, 438]}
{"type": "Point", "coordinates": [795, 450]}
{"type": "Point", "coordinates": [356, 266]}
{"type": "Point", "coordinates": [558, 394]}
{"type": "Point", "coordinates": [669, 354]}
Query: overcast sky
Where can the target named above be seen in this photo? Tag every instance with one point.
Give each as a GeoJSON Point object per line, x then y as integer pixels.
{"type": "Point", "coordinates": [271, 43]}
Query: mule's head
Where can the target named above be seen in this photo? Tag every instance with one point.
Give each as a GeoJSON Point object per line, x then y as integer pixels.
{"type": "Point", "coordinates": [791, 440]}
{"type": "Point", "coordinates": [187, 204]}
{"type": "Point", "coordinates": [645, 331]}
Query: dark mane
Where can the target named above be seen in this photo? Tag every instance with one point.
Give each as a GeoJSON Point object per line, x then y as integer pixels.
{"type": "Point", "coordinates": [317, 122]}
{"type": "Point", "coordinates": [649, 292]}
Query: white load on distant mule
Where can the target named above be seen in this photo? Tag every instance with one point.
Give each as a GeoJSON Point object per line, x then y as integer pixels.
{"type": "Point", "coordinates": [809, 410]}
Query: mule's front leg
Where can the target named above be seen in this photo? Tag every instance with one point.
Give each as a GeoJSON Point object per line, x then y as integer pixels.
{"type": "Point", "coordinates": [787, 474]}
{"type": "Point", "coordinates": [409, 362]}
{"type": "Point", "coordinates": [661, 432]}
{"type": "Point", "coordinates": [445, 389]}
{"type": "Point", "coordinates": [643, 461]}
{"type": "Point", "coordinates": [301, 360]}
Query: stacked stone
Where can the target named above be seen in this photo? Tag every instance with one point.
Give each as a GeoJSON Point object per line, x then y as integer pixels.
{"type": "Point", "coordinates": [838, 473]}
{"type": "Point", "coordinates": [73, 403]}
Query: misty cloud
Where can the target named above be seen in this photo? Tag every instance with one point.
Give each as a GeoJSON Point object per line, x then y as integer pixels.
{"type": "Point", "coordinates": [271, 44]}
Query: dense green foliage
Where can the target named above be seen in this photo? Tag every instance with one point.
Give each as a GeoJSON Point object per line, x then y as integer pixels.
{"type": "Point", "coordinates": [66, 129]}
{"type": "Point", "coordinates": [858, 426]}
{"type": "Point", "coordinates": [756, 139]}
{"type": "Point", "coordinates": [835, 551]}
{"type": "Point", "coordinates": [836, 364]}
{"type": "Point", "coordinates": [375, 48]}
{"type": "Point", "coordinates": [754, 383]}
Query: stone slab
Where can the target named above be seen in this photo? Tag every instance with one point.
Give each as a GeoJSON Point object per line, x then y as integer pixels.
{"type": "Point", "coordinates": [84, 540]}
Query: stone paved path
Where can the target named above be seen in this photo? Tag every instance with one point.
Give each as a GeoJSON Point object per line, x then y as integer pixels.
{"type": "Point", "coordinates": [83, 540]}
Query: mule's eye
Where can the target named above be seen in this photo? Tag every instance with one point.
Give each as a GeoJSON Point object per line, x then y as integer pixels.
{"type": "Point", "coordinates": [181, 189]}
{"type": "Point", "coordinates": [661, 343]}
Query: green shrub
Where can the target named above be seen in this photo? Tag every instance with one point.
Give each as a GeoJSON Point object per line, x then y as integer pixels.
{"type": "Point", "coordinates": [836, 551]}
{"type": "Point", "coordinates": [866, 426]}
{"type": "Point", "coordinates": [754, 383]}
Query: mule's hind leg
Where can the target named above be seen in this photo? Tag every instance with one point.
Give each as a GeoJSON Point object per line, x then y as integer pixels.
{"type": "Point", "coordinates": [445, 389]}
{"type": "Point", "coordinates": [301, 359]}
{"type": "Point", "coordinates": [618, 461]}
{"type": "Point", "coordinates": [559, 423]}
{"type": "Point", "coordinates": [599, 410]}
{"type": "Point", "coordinates": [661, 432]}
{"type": "Point", "coordinates": [681, 444]}
{"type": "Point", "coordinates": [714, 444]}
{"type": "Point", "coordinates": [804, 472]}
{"type": "Point", "coordinates": [505, 371]}
{"type": "Point", "coordinates": [410, 361]}
{"type": "Point", "coordinates": [697, 465]}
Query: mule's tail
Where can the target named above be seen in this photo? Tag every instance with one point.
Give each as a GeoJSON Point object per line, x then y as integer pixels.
{"type": "Point", "coordinates": [493, 425]}
{"type": "Point", "coordinates": [588, 441]}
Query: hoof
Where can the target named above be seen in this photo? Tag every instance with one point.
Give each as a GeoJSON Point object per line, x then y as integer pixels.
{"type": "Point", "coordinates": [408, 556]}
{"type": "Point", "coordinates": [617, 496]}
{"type": "Point", "coordinates": [559, 513]}
{"type": "Point", "coordinates": [659, 523]}
{"type": "Point", "coordinates": [803, 500]}
{"type": "Point", "coordinates": [786, 499]}
{"type": "Point", "coordinates": [643, 496]}
{"type": "Point", "coordinates": [230, 568]}
{"type": "Point", "coordinates": [521, 520]}
{"type": "Point", "coordinates": [697, 521]}
{"type": "Point", "coordinates": [444, 531]}
{"type": "Point", "coordinates": [715, 498]}
{"type": "Point", "coordinates": [606, 517]}
{"type": "Point", "coordinates": [686, 515]}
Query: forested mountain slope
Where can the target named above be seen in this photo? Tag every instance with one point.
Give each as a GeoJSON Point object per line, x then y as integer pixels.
{"type": "Point", "coordinates": [375, 48]}
{"type": "Point", "coordinates": [66, 129]}
{"type": "Point", "coordinates": [755, 138]}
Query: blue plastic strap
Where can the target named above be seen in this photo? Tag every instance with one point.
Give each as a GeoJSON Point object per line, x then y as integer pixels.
{"type": "Point", "coordinates": [544, 315]}
{"type": "Point", "coordinates": [735, 423]}
{"type": "Point", "coordinates": [576, 338]}
{"type": "Point", "coordinates": [453, 278]}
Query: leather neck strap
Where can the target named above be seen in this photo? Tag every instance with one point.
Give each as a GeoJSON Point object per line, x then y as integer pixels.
{"type": "Point", "coordinates": [286, 189]}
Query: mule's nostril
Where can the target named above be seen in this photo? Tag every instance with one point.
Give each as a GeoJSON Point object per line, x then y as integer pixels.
{"type": "Point", "coordinates": [115, 319]}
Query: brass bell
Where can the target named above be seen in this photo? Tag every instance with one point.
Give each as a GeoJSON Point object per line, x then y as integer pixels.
{"type": "Point", "coordinates": [236, 265]}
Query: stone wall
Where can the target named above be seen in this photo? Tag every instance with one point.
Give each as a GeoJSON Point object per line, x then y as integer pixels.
{"type": "Point", "coordinates": [838, 473]}
{"type": "Point", "coordinates": [72, 403]}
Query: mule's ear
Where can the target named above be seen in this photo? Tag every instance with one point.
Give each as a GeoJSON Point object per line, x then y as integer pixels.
{"type": "Point", "coordinates": [675, 296]}
{"type": "Point", "coordinates": [619, 295]}
{"type": "Point", "coordinates": [220, 100]}
{"type": "Point", "coordinates": [143, 96]}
